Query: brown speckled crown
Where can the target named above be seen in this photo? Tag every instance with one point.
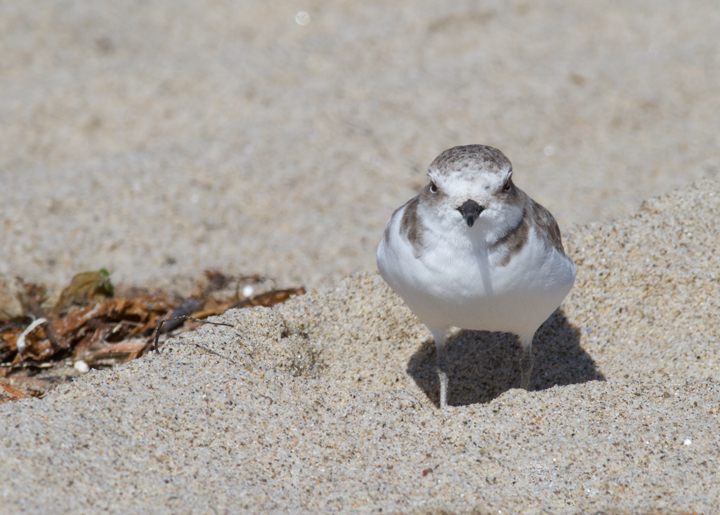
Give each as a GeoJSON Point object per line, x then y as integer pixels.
{"type": "Point", "coordinates": [470, 157]}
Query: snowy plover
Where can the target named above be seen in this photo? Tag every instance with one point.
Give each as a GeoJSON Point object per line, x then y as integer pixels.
{"type": "Point", "coordinates": [473, 251]}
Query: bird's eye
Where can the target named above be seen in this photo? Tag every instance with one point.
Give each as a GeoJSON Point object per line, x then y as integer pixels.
{"type": "Point", "coordinates": [506, 186]}
{"type": "Point", "coordinates": [433, 188]}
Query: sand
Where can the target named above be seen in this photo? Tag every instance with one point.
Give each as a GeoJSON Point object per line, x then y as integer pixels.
{"type": "Point", "coordinates": [163, 138]}
{"type": "Point", "coordinates": [328, 402]}
{"type": "Point", "coordinates": [157, 139]}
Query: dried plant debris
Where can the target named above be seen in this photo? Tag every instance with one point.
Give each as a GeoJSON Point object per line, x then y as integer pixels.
{"type": "Point", "coordinates": [57, 337]}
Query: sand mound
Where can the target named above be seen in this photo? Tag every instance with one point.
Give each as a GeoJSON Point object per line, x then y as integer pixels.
{"type": "Point", "coordinates": [327, 403]}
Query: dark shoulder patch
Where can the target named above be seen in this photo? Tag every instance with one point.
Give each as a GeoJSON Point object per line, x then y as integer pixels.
{"type": "Point", "coordinates": [412, 227]}
{"type": "Point", "coordinates": [546, 226]}
{"type": "Point", "coordinates": [514, 240]}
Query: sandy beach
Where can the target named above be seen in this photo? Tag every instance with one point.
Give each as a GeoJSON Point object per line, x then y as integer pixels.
{"type": "Point", "coordinates": [165, 138]}
{"type": "Point", "coordinates": [160, 139]}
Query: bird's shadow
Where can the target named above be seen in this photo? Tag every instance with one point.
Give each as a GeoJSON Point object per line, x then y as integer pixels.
{"type": "Point", "coordinates": [483, 365]}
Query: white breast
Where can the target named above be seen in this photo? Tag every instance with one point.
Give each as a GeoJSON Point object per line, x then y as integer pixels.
{"type": "Point", "coordinates": [456, 283]}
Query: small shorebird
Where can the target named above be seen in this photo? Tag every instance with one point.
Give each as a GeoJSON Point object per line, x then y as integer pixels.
{"type": "Point", "coordinates": [473, 251]}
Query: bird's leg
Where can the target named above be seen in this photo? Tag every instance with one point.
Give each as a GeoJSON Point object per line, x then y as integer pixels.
{"type": "Point", "coordinates": [441, 364]}
{"type": "Point", "coordinates": [527, 360]}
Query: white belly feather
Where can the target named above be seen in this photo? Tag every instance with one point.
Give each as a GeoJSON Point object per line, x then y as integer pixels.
{"type": "Point", "coordinates": [449, 286]}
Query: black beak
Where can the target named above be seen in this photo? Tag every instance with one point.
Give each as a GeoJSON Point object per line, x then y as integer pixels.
{"type": "Point", "coordinates": [470, 210]}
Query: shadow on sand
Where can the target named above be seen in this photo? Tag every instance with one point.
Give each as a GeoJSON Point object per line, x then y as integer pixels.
{"type": "Point", "coordinates": [484, 365]}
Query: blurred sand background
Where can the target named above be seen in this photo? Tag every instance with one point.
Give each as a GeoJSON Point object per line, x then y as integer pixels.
{"type": "Point", "coordinates": [158, 139]}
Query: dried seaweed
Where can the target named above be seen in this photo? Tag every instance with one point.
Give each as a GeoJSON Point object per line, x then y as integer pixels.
{"type": "Point", "coordinates": [89, 327]}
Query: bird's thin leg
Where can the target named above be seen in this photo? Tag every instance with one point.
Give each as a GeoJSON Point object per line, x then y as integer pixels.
{"type": "Point", "coordinates": [441, 364]}
{"type": "Point", "coordinates": [527, 360]}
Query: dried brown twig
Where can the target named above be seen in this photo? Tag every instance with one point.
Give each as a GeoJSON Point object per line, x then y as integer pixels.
{"type": "Point", "coordinates": [158, 329]}
{"type": "Point", "coordinates": [57, 342]}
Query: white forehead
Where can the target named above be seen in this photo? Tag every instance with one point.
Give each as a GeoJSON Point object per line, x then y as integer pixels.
{"type": "Point", "coordinates": [470, 181]}
{"type": "Point", "coordinates": [470, 170]}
